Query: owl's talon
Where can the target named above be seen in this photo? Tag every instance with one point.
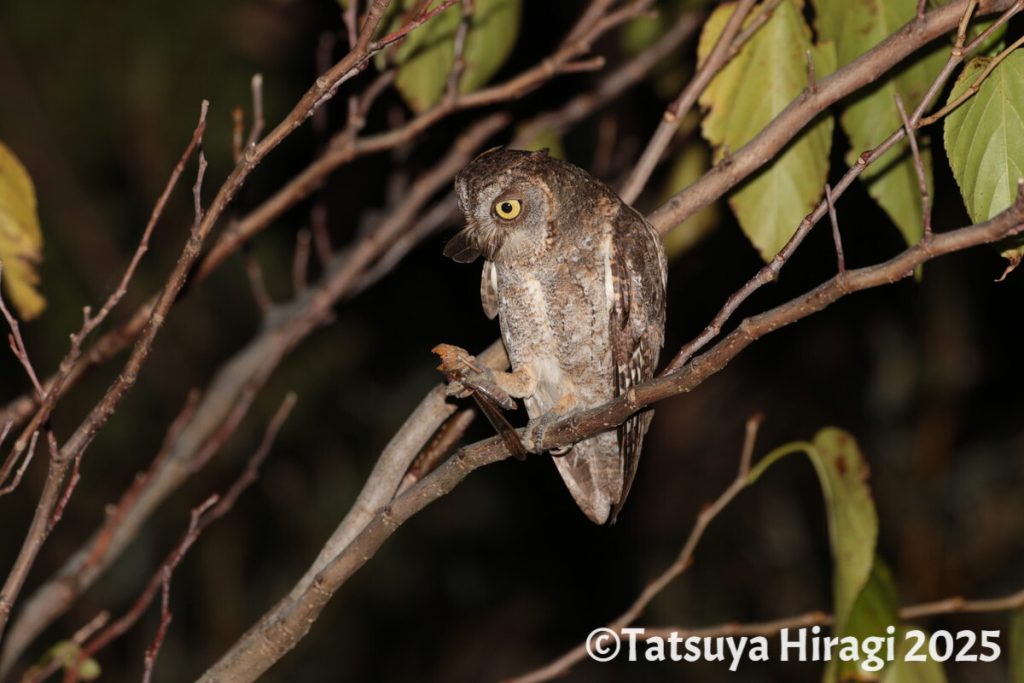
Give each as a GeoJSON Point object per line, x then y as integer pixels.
{"type": "Point", "coordinates": [534, 435]}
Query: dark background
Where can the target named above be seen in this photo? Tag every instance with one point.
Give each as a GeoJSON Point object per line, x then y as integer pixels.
{"type": "Point", "coordinates": [504, 573]}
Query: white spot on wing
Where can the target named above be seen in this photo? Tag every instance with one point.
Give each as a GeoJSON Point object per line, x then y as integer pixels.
{"type": "Point", "coordinates": [609, 282]}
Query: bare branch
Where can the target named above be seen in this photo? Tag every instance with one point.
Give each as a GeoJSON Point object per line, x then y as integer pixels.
{"type": "Point", "coordinates": [726, 47]}
{"type": "Point", "coordinates": [922, 180]}
{"type": "Point", "coordinates": [17, 345]}
{"type": "Point", "coordinates": [161, 632]}
{"type": "Point", "coordinates": [51, 502]}
{"type": "Point", "coordinates": [201, 517]}
{"type": "Point", "coordinates": [21, 470]}
{"type": "Point", "coordinates": [837, 238]}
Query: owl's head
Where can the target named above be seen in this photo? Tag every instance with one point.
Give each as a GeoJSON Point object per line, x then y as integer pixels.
{"type": "Point", "coordinates": [508, 197]}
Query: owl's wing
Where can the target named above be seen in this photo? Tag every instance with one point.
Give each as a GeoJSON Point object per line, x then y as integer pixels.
{"type": "Point", "coordinates": [489, 289]}
{"type": "Point", "coordinates": [637, 331]}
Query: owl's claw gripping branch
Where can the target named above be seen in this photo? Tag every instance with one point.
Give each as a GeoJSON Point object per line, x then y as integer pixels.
{"type": "Point", "coordinates": [534, 436]}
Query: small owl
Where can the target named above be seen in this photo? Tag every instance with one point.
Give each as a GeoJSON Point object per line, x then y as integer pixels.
{"type": "Point", "coordinates": [577, 280]}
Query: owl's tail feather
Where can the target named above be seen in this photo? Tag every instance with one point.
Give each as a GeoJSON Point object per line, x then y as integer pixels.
{"type": "Point", "coordinates": [593, 473]}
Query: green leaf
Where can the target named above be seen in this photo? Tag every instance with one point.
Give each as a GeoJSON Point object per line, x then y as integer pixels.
{"type": "Point", "coordinates": [21, 238]}
{"type": "Point", "coordinates": [426, 57]}
{"type": "Point", "coordinates": [869, 118]}
{"type": "Point", "coordinates": [875, 609]}
{"type": "Point", "coordinates": [692, 161]}
{"type": "Point", "coordinates": [66, 653]}
{"type": "Point", "coordinates": [1016, 646]}
{"type": "Point", "coordinates": [852, 521]}
{"type": "Point", "coordinates": [902, 671]}
{"type": "Point", "coordinates": [549, 139]}
{"type": "Point", "coordinates": [985, 136]}
{"type": "Point", "coordinates": [768, 73]}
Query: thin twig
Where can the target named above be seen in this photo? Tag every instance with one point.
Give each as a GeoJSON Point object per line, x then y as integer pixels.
{"type": "Point", "coordinates": [812, 79]}
{"type": "Point", "coordinates": [161, 632]}
{"type": "Point", "coordinates": [56, 385]}
{"type": "Point", "coordinates": [922, 180]}
{"type": "Point", "coordinates": [256, 85]}
{"type": "Point", "coordinates": [51, 501]}
{"type": "Point", "coordinates": [837, 238]}
{"type": "Point", "coordinates": [976, 83]}
{"type": "Point", "coordinates": [300, 262]}
{"type": "Point", "coordinates": [21, 470]}
{"type": "Point", "coordinates": [201, 517]}
{"type": "Point", "coordinates": [17, 345]}
{"type": "Point", "coordinates": [459, 49]}
{"type": "Point", "coordinates": [682, 562]}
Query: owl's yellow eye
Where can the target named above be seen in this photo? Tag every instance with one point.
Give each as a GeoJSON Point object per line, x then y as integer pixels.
{"type": "Point", "coordinates": [508, 208]}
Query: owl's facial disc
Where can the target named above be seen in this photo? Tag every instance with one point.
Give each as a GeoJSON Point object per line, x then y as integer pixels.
{"type": "Point", "coordinates": [505, 202]}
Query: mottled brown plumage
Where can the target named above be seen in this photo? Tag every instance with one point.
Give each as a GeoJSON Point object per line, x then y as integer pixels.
{"type": "Point", "coordinates": [577, 279]}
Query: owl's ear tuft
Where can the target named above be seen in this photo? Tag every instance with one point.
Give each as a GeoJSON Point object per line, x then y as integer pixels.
{"type": "Point", "coordinates": [462, 248]}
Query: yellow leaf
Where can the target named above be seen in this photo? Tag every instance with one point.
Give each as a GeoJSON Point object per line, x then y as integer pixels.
{"type": "Point", "coordinates": [767, 74]}
{"type": "Point", "coordinates": [21, 239]}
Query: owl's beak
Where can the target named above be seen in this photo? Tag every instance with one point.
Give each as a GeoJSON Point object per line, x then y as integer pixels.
{"type": "Point", "coordinates": [462, 247]}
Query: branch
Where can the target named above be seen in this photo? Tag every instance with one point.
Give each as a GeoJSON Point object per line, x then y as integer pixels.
{"type": "Point", "coordinates": [17, 345]}
{"type": "Point", "coordinates": [726, 47]}
{"type": "Point", "coordinates": [202, 516]}
{"type": "Point", "coordinates": [51, 502]}
{"type": "Point", "coordinates": [955, 605]}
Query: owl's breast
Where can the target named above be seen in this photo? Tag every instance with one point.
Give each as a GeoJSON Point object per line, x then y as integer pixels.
{"type": "Point", "coordinates": [556, 320]}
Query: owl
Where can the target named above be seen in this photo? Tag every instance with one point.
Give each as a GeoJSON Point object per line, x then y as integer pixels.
{"type": "Point", "coordinates": [577, 279]}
